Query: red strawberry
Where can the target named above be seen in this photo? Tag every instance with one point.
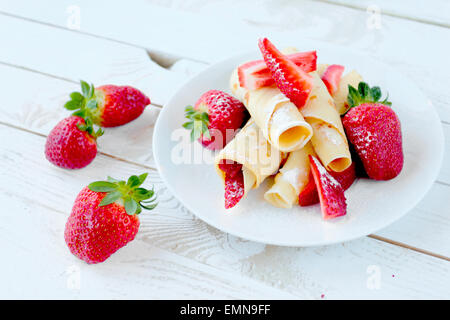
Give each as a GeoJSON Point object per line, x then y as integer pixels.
{"type": "Point", "coordinates": [72, 143]}
{"type": "Point", "coordinates": [108, 105]}
{"type": "Point", "coordinates": [331, 193]}
{"type": "Point", "coordinates": [215, 119]}
{"type": "Point", "coordinates": [309, 196]}
{"type": "Point", "coordinates": [331, 77]}
{"type": "Point", "coordinates": [295, 83]}
{"type": "Point", "coordinates": [374, 130]}
{"type": "Point", "coordinates": [255, 74]}
{"type": "Point", "coordinates": [234, 183]}
{"type": "Point", "coordinates": [104, 217]}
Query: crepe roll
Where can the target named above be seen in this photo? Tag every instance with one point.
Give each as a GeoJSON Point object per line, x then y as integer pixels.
{"type": "Point", "coordinates": [329, 140]}
{"type": "Point", "coordinates": [278, 118]}
{"type": "Point", "coordinates": [291, 179]}
{"type": "Point", "coordinates": [352, 78]}
{"type": "Point", "coordinates": [249, 148]}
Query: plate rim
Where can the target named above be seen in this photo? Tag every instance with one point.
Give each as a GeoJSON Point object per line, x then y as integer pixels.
{"type": "Point", "coordinates": [353, 236]}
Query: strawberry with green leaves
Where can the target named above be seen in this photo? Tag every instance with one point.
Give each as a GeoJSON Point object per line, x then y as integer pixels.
{"type": "Point", "coordinates": [374, 130]}
{"type": "Point", "coordinates": [104, 217]}
{"type": "Point", "coordinates": [108, 105]}
{"type": "Point", "coordinates": [215, 119]}
{"type": "Point", "coordinates": [72, 143]}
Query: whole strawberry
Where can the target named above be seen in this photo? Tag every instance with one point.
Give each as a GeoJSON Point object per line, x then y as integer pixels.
{"type": "Point", "coordinates": [374, 130]}
{"type": "Point", "coordinates": [72, 143]}
{"type": "Point", "coordinates": [215, 118]}
{"type": "Point", "coordinates": [104, 217]}
{"type": "Point", "coordinates": [108, 105]}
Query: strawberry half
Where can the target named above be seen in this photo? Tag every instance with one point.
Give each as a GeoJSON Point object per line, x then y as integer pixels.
{"type": "Point", "coordinates": [234, 183]}
{"type": "Point", "coordinates": [255, 74]}
{"type": "Point", "coordinates": [292, 81]}
{"type": "Point", "coordinates": [332, 76]}
{"type": "Point", "coordinates": [331, 193]}
{"type": "Point", "coordinates": [309, 196]}
{"type": "Point", "coordinates": [108, 105]}
{"type": "Point", "coordinates": [215, 119]}
{"type": "Point", "coordinates": [374, 130]}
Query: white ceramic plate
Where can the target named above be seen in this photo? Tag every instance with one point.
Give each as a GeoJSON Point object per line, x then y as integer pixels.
{"type": "Point", "coordinates": [372, 205]}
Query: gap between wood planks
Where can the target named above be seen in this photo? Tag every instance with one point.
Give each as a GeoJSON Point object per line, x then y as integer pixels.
{"type": "Point", "coordinates": [387, 13]}
{"type": "Point", "coordinates": [373, 236]}
{"type": "Point", "coordinates": [165, 61]}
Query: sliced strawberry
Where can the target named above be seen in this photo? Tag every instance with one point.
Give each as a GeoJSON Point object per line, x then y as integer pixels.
{"type": "Point", "coordinates": [234, 190]}
{"type": "Point", "coordinates": [332, 76]}
{"type": "Point", "coordinates": [231, 169]}
{"type": "Point", "coordinates": [255, 74]}
{"type": "Point", "coordinates": [295, 83]}
{"type": "Point", "coordinates": [309, 196]}
{"type": "Point", "coordinates": [346, 177]}
{"type": "Point", "coordinates": [234, 183]}
{"type": "Point", "coordinates": [331, 193]}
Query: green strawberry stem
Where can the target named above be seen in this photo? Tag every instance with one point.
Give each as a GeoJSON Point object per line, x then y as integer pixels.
{"type": "Point", "coordinates": [134, 197]}
{"type": "Point", "coordinates": [198, 123]}
{"type": "Point", "coordinates": [84, 104]}
{"type": "Point", "coordinates": [365, 94]}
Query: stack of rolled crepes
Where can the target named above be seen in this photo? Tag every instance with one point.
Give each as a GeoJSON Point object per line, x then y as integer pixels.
{"type": "Point", "coordinates": [279, 130]}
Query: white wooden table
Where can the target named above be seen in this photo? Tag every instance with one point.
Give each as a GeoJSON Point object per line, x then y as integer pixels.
{"type": "Point", "coordinates": [47, 46]}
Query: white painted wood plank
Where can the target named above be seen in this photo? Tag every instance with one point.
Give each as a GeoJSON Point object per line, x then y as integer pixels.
{"type": "Point", "coordinates": [40, 108]}
{"type": "Point", "coordinates": [35, 102]}
{"type": "Point", "coordinates": [178, 28]}
{"type": "Point", "coordinates": [434, 11]}
{"type": "Point", "coordinates": [76, 56]}
{"type": "Point", "coordinates": [32, 228]}
{"type": "Point", "coordinates": [427, 226]}
{"type": "Point", "coordinates": [438, 77]}
{"type": "Point", "coordinates": [151, 266]}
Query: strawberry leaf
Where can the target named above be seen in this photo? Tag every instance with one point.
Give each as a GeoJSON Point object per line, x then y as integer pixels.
{"type": "Point", "coordinates": [134, 197]}
{"type": "Point", "coordinates": [73, 104]}
{"type": "Point", "coordinates": [198, 123]}
{"type": "Point", "coordinates": [142, 177]}
{"type": "Point", "coordinates": [130, 206]}
{"type": "Point", "coordinates": [85, 105]}
{"type": "Point", "coordinates": [365, 94]}
{"type": "Point", "coordinates": [133, 181]}
{"type": "Point", "coordinates": [110, 198]}
{"type": "Point", "coordinates": [102, 186]}
{"type": "Point", "coordinates": [85, 88]}
{"type": "Point", "coordinates": [92, 104]}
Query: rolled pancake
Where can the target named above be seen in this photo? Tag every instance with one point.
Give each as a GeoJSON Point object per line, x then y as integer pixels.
{"type": "Point", "coordinates": [329, 139]}
{"type": "Point", "coordinates": [259, 159]}
{"type": "Point", "coordinates": [352, 78]}
{"type": "Point", "coordinates": [291, 179]}
{"type": "Point", "coordinates": [278, 118]}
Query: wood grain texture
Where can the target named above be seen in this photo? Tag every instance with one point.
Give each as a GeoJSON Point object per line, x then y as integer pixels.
{"type": "Point", "coordinates": [75, 56]}
{"type": "Point", "coordinates": [171, 28]}
{"type": "Point", "coordinates": [433, 12]}
{"type": "Point", "coordinates": [40, 108]}
{"type": "Point", "coordinates": [175, 251]}
{"type": "Point", "coordinates": [179, 255]}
